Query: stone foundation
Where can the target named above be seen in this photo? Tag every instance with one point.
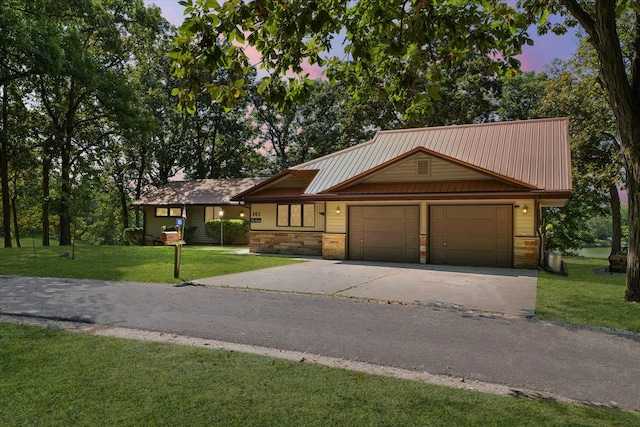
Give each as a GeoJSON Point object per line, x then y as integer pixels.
{"type": "Point", "coordinates": [526, 252]}
{"type": "Point", "coordinates": [334, 246]}
{"type": "Point", "coordinates": [286, 243]}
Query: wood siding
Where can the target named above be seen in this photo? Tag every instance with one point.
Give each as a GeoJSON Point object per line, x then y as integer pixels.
{"type": "Point", "coordinates": [441, 170]}
{"type": "Point", "coordinates": [524, 224]}
{"type": "Point", "coordinates": [336, 223]}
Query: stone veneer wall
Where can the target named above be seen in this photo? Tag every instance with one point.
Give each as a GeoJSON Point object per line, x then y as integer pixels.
{"type": "Point", "coordinates": [526, 252]}
{"type": "Point", "coordinates": [286, 242]}
{"type": "Point", "coordinates": [424, 249]}
{"type": "Point", "coordinates": [334, 246]}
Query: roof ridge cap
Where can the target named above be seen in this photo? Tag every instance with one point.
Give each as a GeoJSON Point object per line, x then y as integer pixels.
{"type": "Point", "coordinates": [467, 125]}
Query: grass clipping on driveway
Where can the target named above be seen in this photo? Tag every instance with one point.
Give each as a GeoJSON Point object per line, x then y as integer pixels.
{"type": "Point", "coordinates": [58, 378]}
{"type": "Point", "coordinates": [131, 263]}
{"type": "Point", "coordinates": [586, 297]}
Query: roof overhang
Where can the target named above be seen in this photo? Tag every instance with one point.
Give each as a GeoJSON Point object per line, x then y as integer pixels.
{"type": "Point", "coordinates": [268, 185]}
{"type": "Point", "coordinates": [547, 199]}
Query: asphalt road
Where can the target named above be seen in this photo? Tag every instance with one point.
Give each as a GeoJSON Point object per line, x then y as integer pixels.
{"type": "Point", "coordinates": [586, 365]}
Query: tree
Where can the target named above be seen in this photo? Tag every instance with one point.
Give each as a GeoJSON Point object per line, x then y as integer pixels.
{"type": "Point", "coordinates": [92, 85]}
{"type": "Point", "coordinates": [217, 139]}
{"type": "Point", "coordinates": [389, 44]}
{"type": "Point", "coordinates": [521, 95]}
{"type": "Point", "coordinates": [278, 131]}
{"type": "Point", "coordinates": [619, 72]}
{"type": "Point", "coordinates": [29, 45]}
{"type": "Point", "coordinates": [595, 152]}
{"type": "Point", "coordinates": [20, 159]}
{"type": "Point", "coordinates": [311, 129]}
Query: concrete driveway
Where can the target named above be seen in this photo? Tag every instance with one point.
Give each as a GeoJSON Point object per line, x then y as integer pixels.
{"type": "Point", "coordinates": [494, 290]}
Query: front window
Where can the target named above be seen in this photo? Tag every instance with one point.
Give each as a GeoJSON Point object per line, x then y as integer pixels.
{"type": "Point", "coordinates": [169, 211]}
{"type": "Point", "coordinates": [296, 215]}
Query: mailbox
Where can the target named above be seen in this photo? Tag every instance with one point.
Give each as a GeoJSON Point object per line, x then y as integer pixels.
{"type": "Point", "coordinates": [170, 237]}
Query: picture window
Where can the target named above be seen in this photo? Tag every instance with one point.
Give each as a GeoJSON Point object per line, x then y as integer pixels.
{"type": "Point", "coordinates": [296, 215]}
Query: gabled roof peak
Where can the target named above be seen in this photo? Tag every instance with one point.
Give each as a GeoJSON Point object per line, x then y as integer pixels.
{"type": "Point", "coordinates": [533, 153]}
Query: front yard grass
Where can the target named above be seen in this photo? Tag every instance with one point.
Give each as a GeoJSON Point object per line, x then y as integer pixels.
{"type": "Point", "coordinates": [130, 263]}
{"type": "Point", "coordinates": [585, 297]}
{"type": "Point", "coordinates": [58, 378]}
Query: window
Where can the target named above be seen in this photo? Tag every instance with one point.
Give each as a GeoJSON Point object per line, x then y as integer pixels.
{"type": "Point", "coordinates": [169, 211]}
{"type": "Point", "coordinates": [208, 213]}
{"type": "Point", "coordinates": [296, 215]}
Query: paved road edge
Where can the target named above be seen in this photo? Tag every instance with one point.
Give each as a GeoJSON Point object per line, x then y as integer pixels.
{"type": "Point", "coordinates": [356, 366]}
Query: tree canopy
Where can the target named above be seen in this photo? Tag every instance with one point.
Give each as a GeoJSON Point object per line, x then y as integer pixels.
{"type": "Point", "coordinates": [390, 46]}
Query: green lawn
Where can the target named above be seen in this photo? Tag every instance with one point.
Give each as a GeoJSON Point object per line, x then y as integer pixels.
{"type": "Point", "coordinates": [586, 298]}
{"type": "Point", "coordinates": [57, 378]}
{"type": "Point", "coordinates": [130, 263]}
{"type": "Point", "coordinates": [54, 378]}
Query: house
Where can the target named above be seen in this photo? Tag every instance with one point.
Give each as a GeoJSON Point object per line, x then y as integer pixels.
{"type": "Point", "coordinates": [199, 200]}
{"type": "Point", "coordinates": [460, 195]}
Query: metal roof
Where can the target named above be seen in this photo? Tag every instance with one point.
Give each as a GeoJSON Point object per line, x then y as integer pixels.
{"type": "Point", "coordinates": [531, 153]}
{"type": "Point", "coordinates": [198, 192]}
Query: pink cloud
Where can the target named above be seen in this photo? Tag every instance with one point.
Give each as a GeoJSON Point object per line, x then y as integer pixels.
{"type": "Point", "coordinates": [546, 48]}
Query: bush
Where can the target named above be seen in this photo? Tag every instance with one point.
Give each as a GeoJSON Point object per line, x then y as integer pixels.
{"type": "Point", "coordinates": [133, 236]}
{"type": "Point", "coordinates": [188, 231]}
{"type": "Point", "coordinates": [233, 229]}
{"type": "Point", "coordinates": [100, 233]}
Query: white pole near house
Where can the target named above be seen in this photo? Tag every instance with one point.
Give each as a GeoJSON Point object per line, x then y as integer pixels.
{"type": "Point", "coordinates": [220, 215]}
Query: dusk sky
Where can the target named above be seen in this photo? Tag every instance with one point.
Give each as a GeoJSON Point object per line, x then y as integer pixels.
{"type": "Point", "coordinates": [534, 58]}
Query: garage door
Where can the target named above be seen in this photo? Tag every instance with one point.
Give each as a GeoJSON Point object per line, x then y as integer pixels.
{"type": "Point", "coordinates": [384, 233]}
{"type": "Point", "coordinates": [471, 235]}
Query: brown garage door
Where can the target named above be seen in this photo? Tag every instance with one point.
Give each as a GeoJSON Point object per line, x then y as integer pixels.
{"type": "Point", "coordinates": [384, 233]}
{"type": "Point", "coordinates": [471, 235]}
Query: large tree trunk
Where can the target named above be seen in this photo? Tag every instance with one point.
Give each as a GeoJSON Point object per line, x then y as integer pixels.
{"type": "Point", "coordinates": [632, 288]}
{"type": "Point", "coordinates": [65, 199]}
{"type": "Point", "coordinates": [16, 227]}
{"type": "Point", "coordinates": [4, 169]}
{"type": "Point", "coordinates": [65, 166]}
{"type": "Point", "coordinates": [139, 178]}
{"type": "Point", "coordinates": [214, 165]}
{"type": "Point", "coordinates": [616, 220]}
{"type": "Point", "coordinates": [46, 203]}
{"type": "Point", "coordinates": [124, 207]}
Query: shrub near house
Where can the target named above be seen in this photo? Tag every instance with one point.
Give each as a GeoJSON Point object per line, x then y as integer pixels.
{"type": "Point", "coordinates": [232, 229]}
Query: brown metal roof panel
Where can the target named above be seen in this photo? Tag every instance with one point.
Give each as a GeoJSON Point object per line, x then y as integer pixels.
{"type": "Point", "coordinates": [516, 151]}
{"type": "Point", "coordinates": [197, 192]}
